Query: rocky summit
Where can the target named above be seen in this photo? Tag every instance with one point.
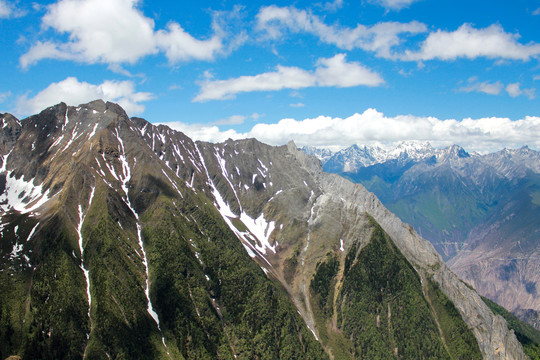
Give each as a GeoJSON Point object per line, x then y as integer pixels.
{"type": "Point", "coordinates": [120, 239]}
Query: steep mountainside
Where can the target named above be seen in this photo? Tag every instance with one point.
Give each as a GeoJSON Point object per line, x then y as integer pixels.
{"type": "Point", "coordinates": [121, 239]}
{"type": "Point", "coordinates": [479, 211]}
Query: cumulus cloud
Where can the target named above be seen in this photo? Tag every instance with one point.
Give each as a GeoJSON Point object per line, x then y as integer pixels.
{"type": "Point", "coordinates": [515, 90]}
{"type": "Point", "coordinates": [335, 72]}
{"type": "Point", "coordinates": [373, 127]}
{"type": "Point", "coordinates": [74, 92]}
{"type": "Point", "coordinates": [467, 42]}
{"type": "Point", "coordinates": [203, 132]}
{"type": "Point", "coordinates": [274, 22]}
{"type": "Point", "coordinates": [179, 45]}
{"type": "Point", "coordinates": [484, 87]}
{"type": "Point", "coordinates": [114, 32]}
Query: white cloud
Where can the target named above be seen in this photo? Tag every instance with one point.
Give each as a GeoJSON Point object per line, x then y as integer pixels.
{"type": "Point", "coordinates": [335, 71]}
{"type": "Point", "coordinates": [74, 92]}
{"type": "Point", "coordinates": [536, 12]}
{"type": "Point", "coordinates": [273, 22]}
{"type": "Point", "coordinates": [484, 87]}
{"type": "Point", "coordinates": [181, 46]}
{"type": "Point", "coordinates": [385, 38]}
{"type": "Point", "coordinates": [5, 9]}
{"type": "Point", "coordinates": [515, 90]}
{"type": "Point", "coordinates": [395, 4]}
{"type": "Point", "coordinates": [283, 78]}
{"type": "Point", "coordinates": [204, 132]}
{"type": "Point", "coordinates": [373, 127]}
{"type": "Point", "coordinates": [116, 31]}
{"type": "Point", "coordinates": [467, 42]}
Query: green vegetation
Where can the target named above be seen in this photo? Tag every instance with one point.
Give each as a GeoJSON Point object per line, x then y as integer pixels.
{"type": "Point", "coordinates": [121, 325]}
{"type": "Point", "coordinates": [372, 306]}
{"type": "Point", "coordinates": [381, 306]}
{"type": "Point", "coordinates": [43, 309]}
{"type": "Point", "coordinates": [528, 336]}
{"type": "Point", "coordinates": [323, 282]}
{"type": "Point", "coordinates": [459, 339]}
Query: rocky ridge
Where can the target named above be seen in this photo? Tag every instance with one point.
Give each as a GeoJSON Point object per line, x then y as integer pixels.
{"type": "Point", "coordinates": [94, 199]}
{"type": "Point", "coordinates": [479, 211]}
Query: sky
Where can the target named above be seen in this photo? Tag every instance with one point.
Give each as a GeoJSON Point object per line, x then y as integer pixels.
{"type": "Point", "coordinates": [328, 73]}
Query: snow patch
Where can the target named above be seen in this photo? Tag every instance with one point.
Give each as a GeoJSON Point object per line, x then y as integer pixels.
{"type": "Point", "coordinates": [22, 196]}
{"type": "Point", "coordinates": [261, 229]}
{"type": "Point", "coordinates": [16, 252]}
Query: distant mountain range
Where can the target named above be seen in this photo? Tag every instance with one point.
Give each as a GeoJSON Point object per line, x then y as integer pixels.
{"type": "Point", "coordinates": [481, 212]}
{"type": "Point", "coordinates": [124, 240]}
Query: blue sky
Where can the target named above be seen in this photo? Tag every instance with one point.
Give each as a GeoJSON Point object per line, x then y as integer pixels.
{"type": "Point", "coordinates": [328, 73]}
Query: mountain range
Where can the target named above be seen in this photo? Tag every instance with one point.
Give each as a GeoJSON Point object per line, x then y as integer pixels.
{"type": "Point", "coordinates": [125, 240]}
{"type": "Point", "coordinates": [479, 211]}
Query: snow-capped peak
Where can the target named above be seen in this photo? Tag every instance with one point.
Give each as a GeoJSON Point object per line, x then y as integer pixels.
{"type": "Point", "coordinates": [413, 149]}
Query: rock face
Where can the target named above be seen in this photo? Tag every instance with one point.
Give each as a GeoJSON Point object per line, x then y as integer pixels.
{"type": "Point", "coordinates": [124, 239]}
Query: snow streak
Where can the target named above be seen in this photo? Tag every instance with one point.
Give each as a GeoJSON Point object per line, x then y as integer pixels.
{"type": "Point", "coordinates": [82, 217]}
{"type": "Point", "coordinates": [126, 172]}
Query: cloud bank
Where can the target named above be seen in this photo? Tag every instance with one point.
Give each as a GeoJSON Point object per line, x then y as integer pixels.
{"type": "Point", "coordinates": [373, 127]}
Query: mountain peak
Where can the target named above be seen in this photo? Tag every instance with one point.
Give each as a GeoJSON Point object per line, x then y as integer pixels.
{"type": "Point", "coordinates": [412, 149]}
{"type": "Point", "coordinates": [453, 152]}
